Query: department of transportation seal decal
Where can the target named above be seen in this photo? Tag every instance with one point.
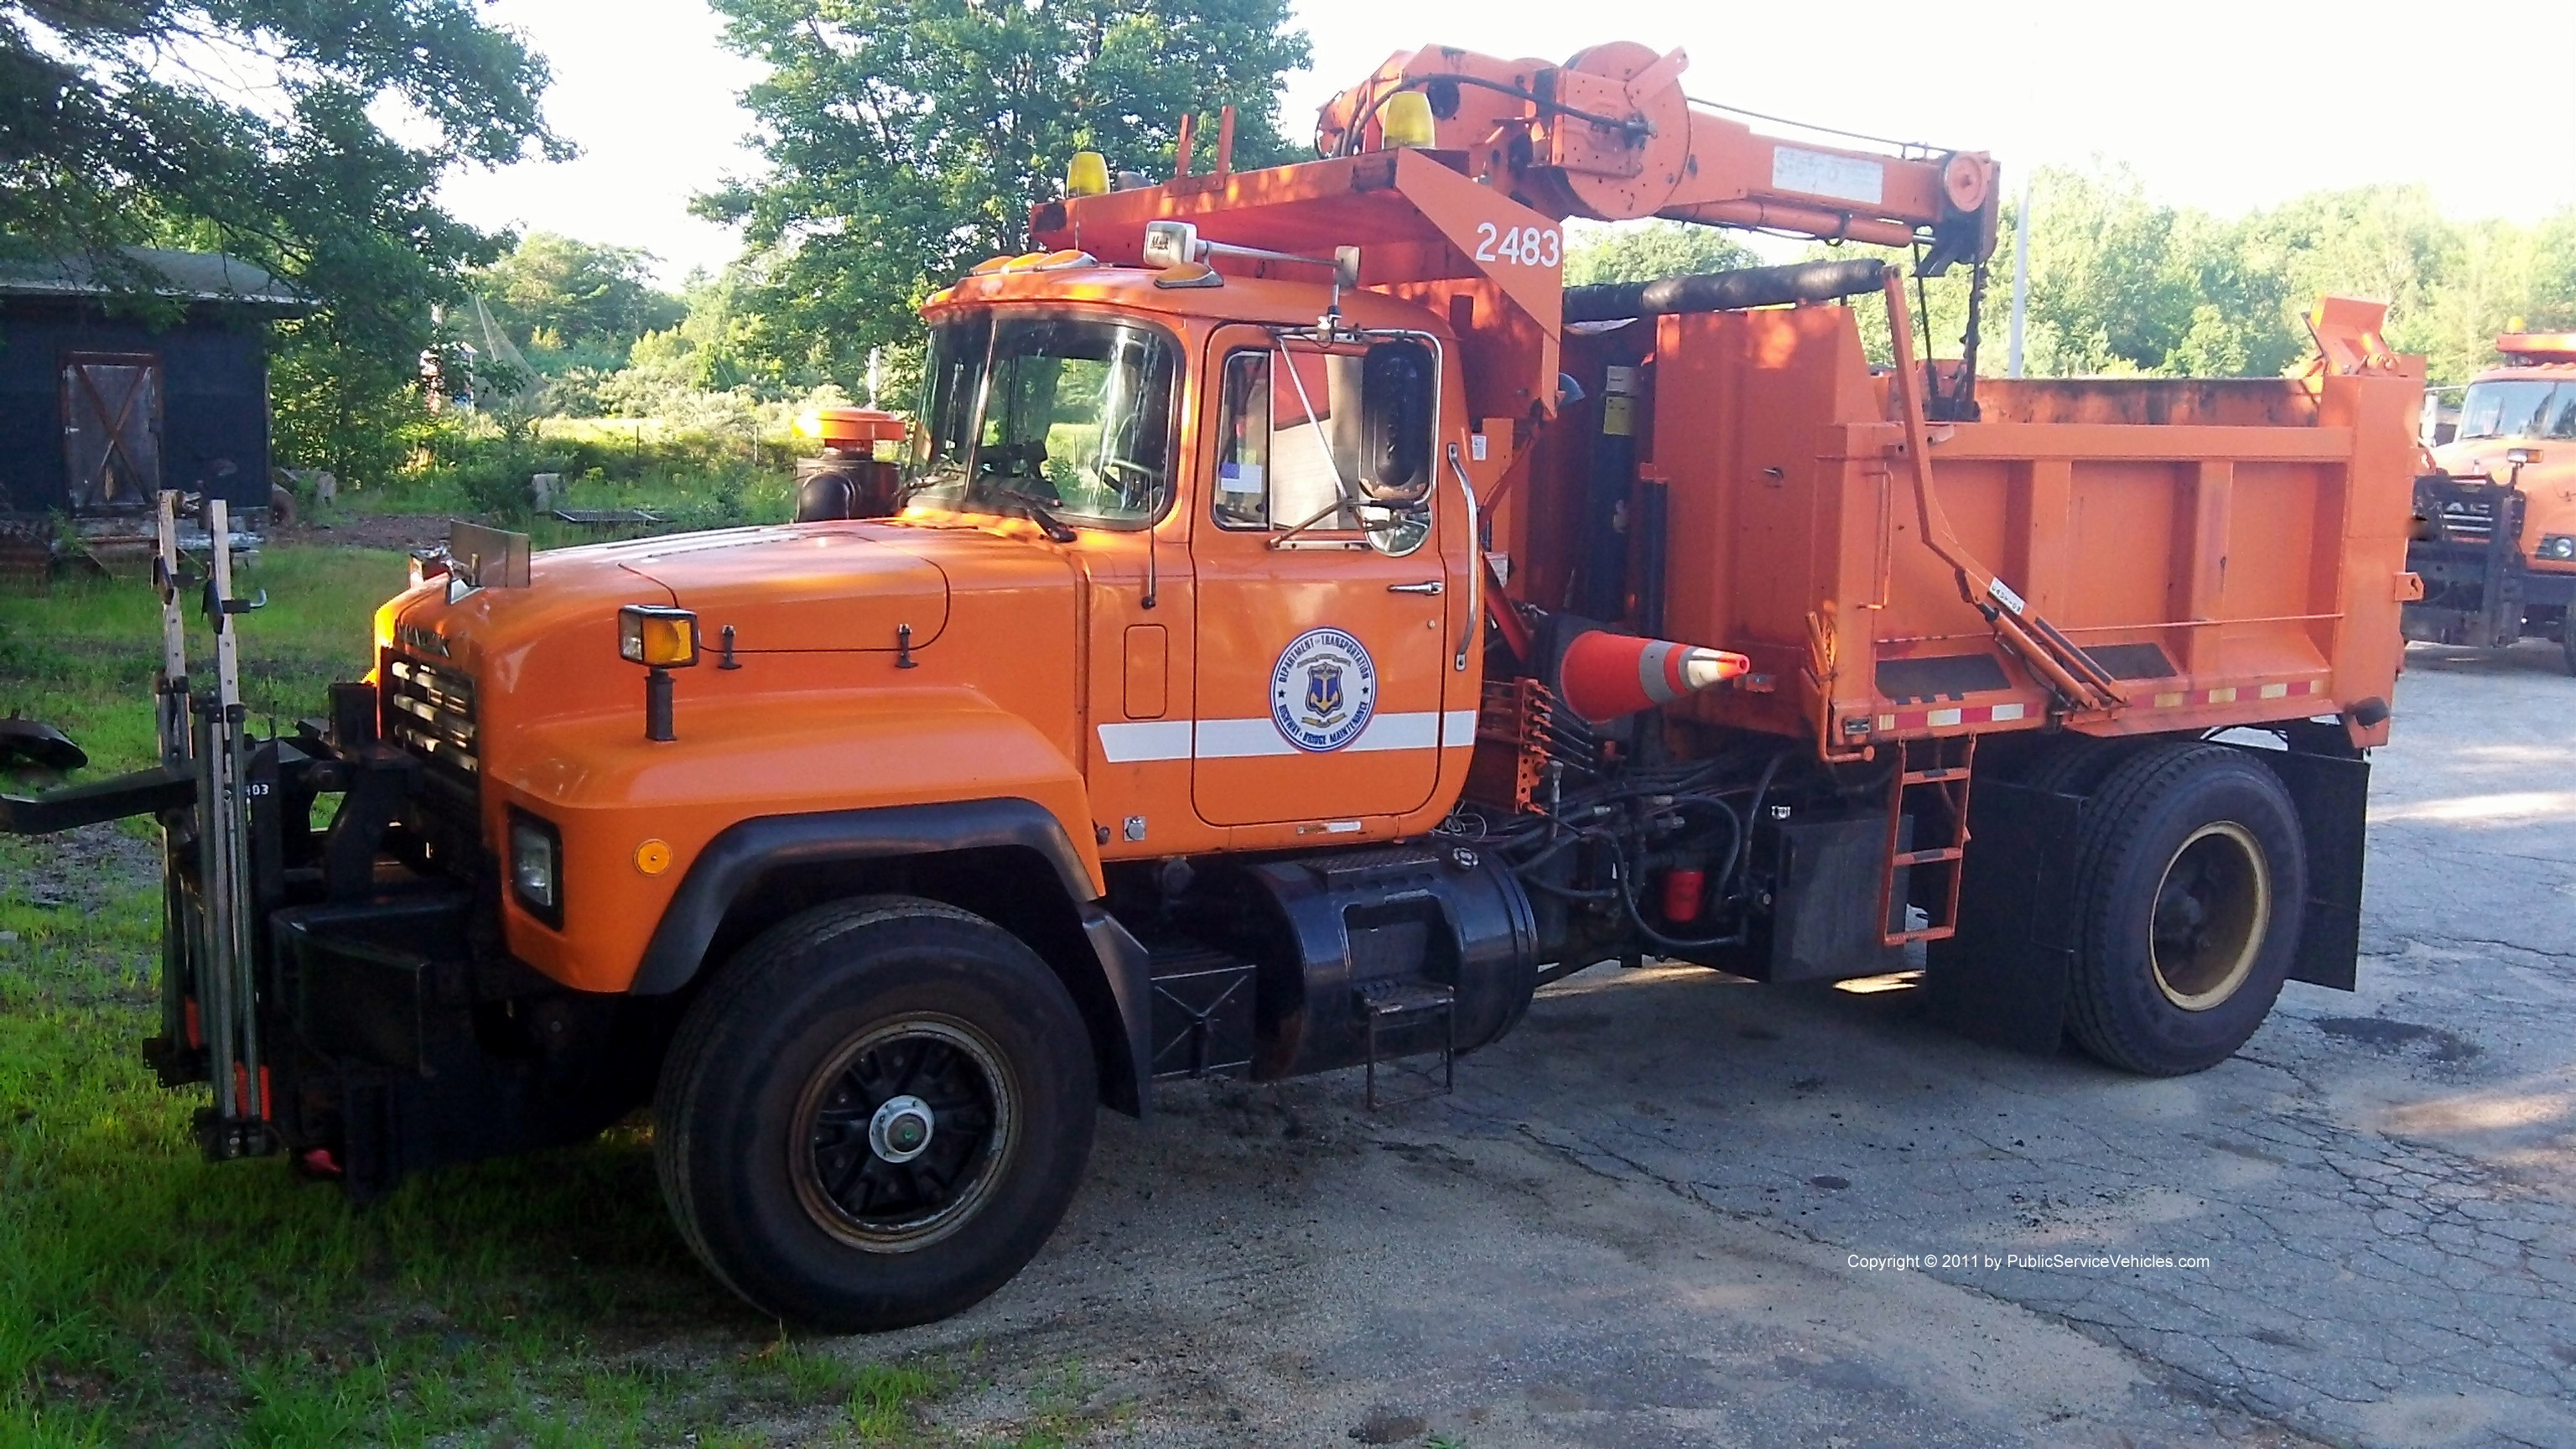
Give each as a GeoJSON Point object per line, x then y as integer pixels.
{"type": "Point", "coordinates": [1323, 691]}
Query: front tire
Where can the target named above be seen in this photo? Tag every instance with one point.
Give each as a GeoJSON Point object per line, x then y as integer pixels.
{"type": "Point", "coordinates": [2191, 879]}
{"type": "Point", "coordinates": [876, 1115]}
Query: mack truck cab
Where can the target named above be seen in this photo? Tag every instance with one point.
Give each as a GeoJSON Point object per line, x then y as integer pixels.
{"type": "Point", "coordinates": [2496, 525]}
{"type": "Point", "coordinates": [1162, 585]}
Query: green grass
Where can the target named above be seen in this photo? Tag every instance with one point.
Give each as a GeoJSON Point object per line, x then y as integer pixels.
{"type": "Point", "coordinates": [148, 1297]}
{"type": "Point", "coordinates": [83, 657]}
{"type": "Point", "coordinates": [694, 478]}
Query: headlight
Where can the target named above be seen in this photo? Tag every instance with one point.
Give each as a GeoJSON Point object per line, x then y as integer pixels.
{"type": "Point", "coordinates": [2560, 546]}
{"type": "Point", "coordinates": [536, 866]}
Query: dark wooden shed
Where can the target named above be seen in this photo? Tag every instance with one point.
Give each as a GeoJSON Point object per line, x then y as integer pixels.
{"type": "Point", "coordinates": [103, 403]}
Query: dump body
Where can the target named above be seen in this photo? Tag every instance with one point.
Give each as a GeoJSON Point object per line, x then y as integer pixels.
{"type": "Point", "coordinates": [2231, 552]}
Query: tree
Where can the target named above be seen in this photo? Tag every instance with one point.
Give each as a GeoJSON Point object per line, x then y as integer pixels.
{"type": "Point", "coordinates": [1644, 251]}
{"type": "Point", "coordinates": [571, 303]}
{"type": "Point", "coordinates": [2122, 284]}
{"type": "Point", "coordinates": [250, 126]}
{"type": "Point", "coordinates": [907, 139]}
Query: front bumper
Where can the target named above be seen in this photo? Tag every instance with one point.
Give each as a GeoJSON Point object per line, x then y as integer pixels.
{"type": "Point", "coordinates": [395, 1030]}
{"type": "Point", "coordinates": [2479, 589]}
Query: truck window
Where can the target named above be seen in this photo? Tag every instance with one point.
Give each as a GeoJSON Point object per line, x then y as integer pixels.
{"type": "Point", "coordinates": [1073, 413]}
{"type": "Point", "coordinates": [950, 387]}
{"type": "Point", "coordinates": [2516, 408]}
{"type": "Point", "coordinates": [1324, 439]}
{"type": "Point", "coordinates": [1243, 446]}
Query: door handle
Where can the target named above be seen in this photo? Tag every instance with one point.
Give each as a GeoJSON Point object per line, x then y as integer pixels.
{"type": "Point", "coordinates": [1429, 587]}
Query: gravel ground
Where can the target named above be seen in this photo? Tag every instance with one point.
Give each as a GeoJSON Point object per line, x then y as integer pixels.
{"type": "Point", "coordinates": [1650, 1216]}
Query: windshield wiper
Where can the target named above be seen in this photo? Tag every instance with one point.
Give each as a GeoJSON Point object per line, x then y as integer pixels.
{"type": "Point", "coordinates": [1036, 507]}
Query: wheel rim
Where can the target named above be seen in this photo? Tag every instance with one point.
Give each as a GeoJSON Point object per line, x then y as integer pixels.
{"type": "Point", "coordinates": [903, 1133]}
{"type": "Point", "coordinates": [2213, 910]}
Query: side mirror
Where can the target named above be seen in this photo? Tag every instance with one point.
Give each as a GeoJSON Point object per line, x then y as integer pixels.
{"type": "Point", "coordinates": [1396, 406]}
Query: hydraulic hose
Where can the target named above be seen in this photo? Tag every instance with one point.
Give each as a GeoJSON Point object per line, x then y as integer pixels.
{"type": "Point", "coordinates": [1724, 291]}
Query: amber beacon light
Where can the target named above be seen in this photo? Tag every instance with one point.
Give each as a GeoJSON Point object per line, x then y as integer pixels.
{"type": "Point", "coordinates": [661, 640]}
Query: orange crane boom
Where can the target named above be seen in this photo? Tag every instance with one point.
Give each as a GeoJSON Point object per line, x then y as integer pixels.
{"type": "Point", "coordinates": [1610, 136]}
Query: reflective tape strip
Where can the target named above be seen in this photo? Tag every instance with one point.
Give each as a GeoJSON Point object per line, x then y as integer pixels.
{"type": "Point", "coordinates": [1162, 739]}
{"type": "Point", "coordinates": [1659, 667]}
{"type": "Point", "coordinates": [1955, 716]}
{"type": "Point", "coordinates": [1244, 739]}
{"type": "Point", "coordinates": [1414, 731]}
{"type": "Point", "coordinates": [1951, 717]}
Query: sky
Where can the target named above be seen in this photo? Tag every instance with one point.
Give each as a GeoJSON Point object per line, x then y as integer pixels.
{"type": "Point", "coordinates": [2226, 106]}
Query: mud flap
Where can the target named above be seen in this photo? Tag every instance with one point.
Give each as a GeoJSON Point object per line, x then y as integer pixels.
{"type": "Point", "coordinates": [2333, 796]}
{"type": "Point", "coordinates": [2002, 979]}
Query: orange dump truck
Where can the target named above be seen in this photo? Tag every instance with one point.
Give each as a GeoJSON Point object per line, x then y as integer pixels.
{"type": "Point", "coordinates": [2495, 528]}
{"type": "Point", "coordinates": [1305, 628]}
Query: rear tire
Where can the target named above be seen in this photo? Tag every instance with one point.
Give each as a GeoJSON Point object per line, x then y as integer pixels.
{"type": "Point", "coordinates": [876, 1115]}
{"type": "Point", "coordinates": [2191, 878]}
{"type": "Point", "coordinates": [2567, 638]}
{"type": "Point", "coordinates": [2073, 764]}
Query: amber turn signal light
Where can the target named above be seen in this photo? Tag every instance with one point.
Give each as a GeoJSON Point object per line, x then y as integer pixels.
{"type": "Point", "coordinates": [661, 640]}
{"type": "Point", "coordinates": [658, 637]}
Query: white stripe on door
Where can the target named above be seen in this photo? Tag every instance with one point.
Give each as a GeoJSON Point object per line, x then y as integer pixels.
{"type": "Point", "coordinates": [1162, 739]}
{"type": "Point", "coordinates": [1243, 739]}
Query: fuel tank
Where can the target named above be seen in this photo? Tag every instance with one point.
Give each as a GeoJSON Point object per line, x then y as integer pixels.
{"type": "Point", "coordinates": [1338, 938]}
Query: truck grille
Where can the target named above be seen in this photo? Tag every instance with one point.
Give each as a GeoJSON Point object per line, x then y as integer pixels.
{"type": "Point", "coordinates": [429, 710]}
{"type": "Point", "coordinates": [2467, 520]}
{"type": "Point", "coordinates": [2466, 511]}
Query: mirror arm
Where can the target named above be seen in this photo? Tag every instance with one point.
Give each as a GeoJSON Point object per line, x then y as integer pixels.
{"type": "Point", "coordinates": [1280, 540]}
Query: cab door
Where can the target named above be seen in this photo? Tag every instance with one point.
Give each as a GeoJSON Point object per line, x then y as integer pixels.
{"type": "Point", "coordinates": [1322, 628]}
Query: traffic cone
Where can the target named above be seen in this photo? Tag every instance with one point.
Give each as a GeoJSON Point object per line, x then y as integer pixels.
{"type": "Point", "coordinates": [1606, 675]}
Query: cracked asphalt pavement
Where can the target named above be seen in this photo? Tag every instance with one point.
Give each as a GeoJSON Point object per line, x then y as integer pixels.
{"type": "Point", "coordinates": [1637, 1220]}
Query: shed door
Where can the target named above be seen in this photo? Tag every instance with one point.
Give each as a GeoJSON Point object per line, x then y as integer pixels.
{"type": "Point", "coordinates": [112, 428]}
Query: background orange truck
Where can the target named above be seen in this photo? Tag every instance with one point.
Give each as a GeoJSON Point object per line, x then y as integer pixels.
{"type": "Point", "coordinates": [2495, 522]}
{"type": "Point", "coordinates": [1304, 628]}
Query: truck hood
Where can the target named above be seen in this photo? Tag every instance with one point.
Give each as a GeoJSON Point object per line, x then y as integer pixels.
{"type": "Point", "coordinates": [809, 587]}
{"type": "Point", "coordinates": [2487, 456]}
{"type": "Point", "coordinates": [799, 588]}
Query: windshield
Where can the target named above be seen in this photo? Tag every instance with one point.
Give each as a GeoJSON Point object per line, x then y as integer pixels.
{"type": "Point", "coordinates": [1069, 414]}
{"type": "Point", "coordinates": [2538, 408]}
